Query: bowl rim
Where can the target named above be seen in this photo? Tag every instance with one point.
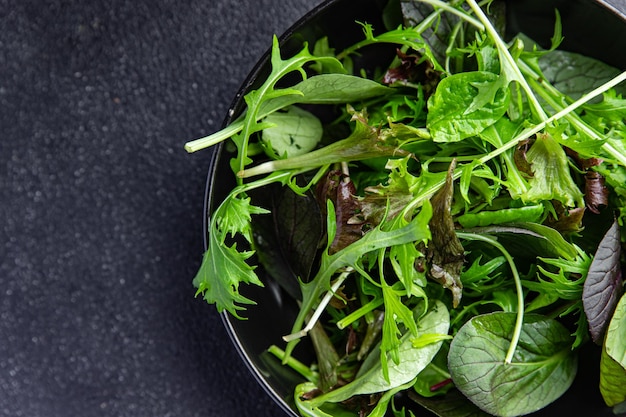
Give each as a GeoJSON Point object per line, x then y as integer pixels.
{"type": "Point", "coordinates": [262, 62]}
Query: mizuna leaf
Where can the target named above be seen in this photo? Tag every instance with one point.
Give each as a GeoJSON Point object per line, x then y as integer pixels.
{"type": "Point", "coordinates": [603, 286]}
{"type": "Point", "coordinates": [223, 269]}
{"type": "Point", "coordinates": [542, 369]}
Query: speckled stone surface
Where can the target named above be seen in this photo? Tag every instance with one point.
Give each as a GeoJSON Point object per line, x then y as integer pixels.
{"type": "Point", "coordinates": [101, 208]}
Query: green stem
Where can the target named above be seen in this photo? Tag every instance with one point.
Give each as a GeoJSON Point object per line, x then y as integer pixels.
{"type": "Point", "coordinates": [443, 6]}
{"type": "Point", "coordinates": [551, 95]}
{"type": "Point", "coordinates": [506, 60]}
{"type": "Point", "coordinates": [294, 364]}
{"type": "Point", "coordinates": [360, 312]}
{"type": "Point", "coordinates": [320, 308]}
{"type": "Point", "coordinates": [517, 331]}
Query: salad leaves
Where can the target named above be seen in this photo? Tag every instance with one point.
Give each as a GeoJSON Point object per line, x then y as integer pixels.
{"type": "Point", "coordinates": [461, 213]}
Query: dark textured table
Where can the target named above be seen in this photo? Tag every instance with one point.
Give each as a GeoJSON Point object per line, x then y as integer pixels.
{"type": "Point", "coordinates": [101, 207]}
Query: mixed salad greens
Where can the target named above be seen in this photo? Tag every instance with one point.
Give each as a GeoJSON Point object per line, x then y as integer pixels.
{"type": "Point", "coordinates": [453, 220]}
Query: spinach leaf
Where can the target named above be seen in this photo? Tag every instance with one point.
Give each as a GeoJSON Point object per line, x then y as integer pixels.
{"type": "Point", "coordinates": [574, 74]}
{"type": "Point", "coordinates": [448, 117]}
{"type": "Point", "coordinates": [612, 380]}
{"type": "Point", "coordinates": [527, 239]}
{"type": "Point", "coordinates": [603, 286]}
{"type": "Point", "coordinates": [613, 359]}
{"type": "Point", "coordinates": [453, 404]}
{"type": "Point", "coordinates": [542, 369]}
{"type": "Point", "coordinates": [290, 133]}
{"type": "Point", "coordinates": [616, 334]}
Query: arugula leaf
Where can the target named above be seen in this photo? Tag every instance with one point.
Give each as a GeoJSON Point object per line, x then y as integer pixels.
{"type": "Point", "coordinates": [542, 369]}
{"type": "Point", "coordinates": [391, 342]}
{"type": "Point", "coordinates": [497, 135]}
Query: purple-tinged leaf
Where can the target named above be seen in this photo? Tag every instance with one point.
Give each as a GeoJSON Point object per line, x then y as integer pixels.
{"type": "Point", "coordinates": [603, 286]}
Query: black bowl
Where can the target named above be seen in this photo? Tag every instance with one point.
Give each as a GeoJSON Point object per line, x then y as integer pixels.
{"type": "Point", "coordinates": [593, 28]}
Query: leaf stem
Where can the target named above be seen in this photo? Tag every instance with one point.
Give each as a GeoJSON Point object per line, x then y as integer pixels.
{"type": "Point", "coordinates": [320, 308]}
{"type": "Point", "coordinates": [548, 92]}
{"type": "Point", "coordinates": [527, 133]}
{"type": "Point", "coordinates": [443, 6]}
{"type": "Point", "coordinates": [506, 60]}
{"type": "Point", "coordinates": [518, 287]}
{"type": "Point", "coordinates": [294, 364]}
{"type": "Point", "coordinates": [214, 138]}
{"type": "Point", "coordinates": [358, 313]}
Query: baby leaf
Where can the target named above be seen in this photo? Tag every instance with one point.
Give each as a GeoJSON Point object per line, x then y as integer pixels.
{"type": "Point", "coordinates": [612, 380]}
{"type": "Point", "coordinates": [542, 369]}
{"type": "Point", "coordinates": [294, 132]}
{"type": "Point", "coordinates": [616, 335]}
{"type": "Point", "coordinates": [448, 117]}
{"type": "Point", "coordinates": [531, 239]}
{"type": "Point", "coordinates": [603, 286]}
{"type": "Point", "coordinates": [453, 404]}
{"type": "Point", "coordinates": [445, 252]}
{"type": "Point", "coordinates": [574, 74]}
{"type": "Point", "coordinates": [305, 389]}
{"type": "Point", "coordinates": [551, 176]}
